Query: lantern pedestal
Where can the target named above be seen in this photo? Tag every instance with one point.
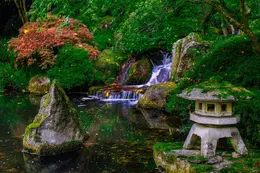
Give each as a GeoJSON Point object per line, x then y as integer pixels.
{"type": "Point", "coordinates": [210, 135]}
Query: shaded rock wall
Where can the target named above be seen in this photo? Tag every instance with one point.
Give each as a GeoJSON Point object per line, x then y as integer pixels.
{"type": "Point", "coordinates": [183, 59]}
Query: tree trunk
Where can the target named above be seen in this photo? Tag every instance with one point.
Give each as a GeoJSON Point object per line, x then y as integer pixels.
{"type": "Point", "coordinates": [243, 26]}
{"type": "Point", "coordinates": [253, 38]}
{"type": "Point", "coordinates": [21, 6]}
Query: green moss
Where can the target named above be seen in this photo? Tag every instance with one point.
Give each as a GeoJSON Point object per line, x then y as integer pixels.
{"type": "Point", "coordinates": [173, 162]}
{"type": "Point", "coordinates": [245, 164]}
{"type": "Point", "coordinates": [108, 64]}
{"type": "Point", "coordinates": [156, 96]}
{"type": "Point", "coordinates": [46, 101]}
{"type": "Point", "coordinates": [171, 158]}
{"type": "Point", "coordinates": [224, 89]}
{"type": "Point", "coordinates": [201, 168]}
{"type": "Point", "coordinates": [167, 146]}
{"type": "Point", "coordinates": [34, 125]}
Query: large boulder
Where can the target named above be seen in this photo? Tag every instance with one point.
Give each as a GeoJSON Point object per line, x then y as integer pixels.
{"type": "Point", "coordinates": [56, 127]}
{"type": "Point", "coordinates": [183, 59]}
{"type": "Point", "coordinates": [140, 72]}
{"type": "Point", "coordinates": [39, 85]}
{"type": "Point", "coordinates": [155, 96]}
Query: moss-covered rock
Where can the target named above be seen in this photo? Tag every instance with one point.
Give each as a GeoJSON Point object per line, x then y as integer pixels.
{"type": "Point", "coordinates": [155, 96]}
{"type": "Point", "coordinates": [140, 72]}
{"type": "Point", "coordinates": [56, 128]}
{"type": "Point", "coordinates": [108, 63]}
{"type": "Point", "coordinates": [173, 159]}
{"type": "Point", "coordinates": [39, 85]}
{"type": "Point", "coordinates": [182, 54]}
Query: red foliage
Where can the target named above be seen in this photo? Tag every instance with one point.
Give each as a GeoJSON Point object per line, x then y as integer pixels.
{"type": "Point", "coordinates": [92, 51]}
{"type": "Point", "coordinates": [36, 41]}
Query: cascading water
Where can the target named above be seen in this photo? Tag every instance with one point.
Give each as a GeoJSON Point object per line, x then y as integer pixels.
{"type": "Point", "coordinates": [131, 95]}
{"type": "Point", "coordinates": [160, 73]}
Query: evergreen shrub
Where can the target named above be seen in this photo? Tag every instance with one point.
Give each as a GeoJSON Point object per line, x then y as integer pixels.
{"type": "Point", "coordinates": [73, 67]}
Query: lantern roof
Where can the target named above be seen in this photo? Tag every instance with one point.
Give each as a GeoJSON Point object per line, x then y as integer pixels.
{"type": "Point", "coordinates": [216, 92]}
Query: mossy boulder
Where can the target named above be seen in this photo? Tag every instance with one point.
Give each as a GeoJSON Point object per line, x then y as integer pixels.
{"type": "Point", "coordinates": [140, 72]}
{"type": "Point", "coordinates": [108, 63]}
{"type": "Point", "coordinates": [56, 128]}
{"type": "Point", "coordinates": [173, 159]}
{"type": "Point", "coordinates": [183, 54]}
{"type": "Point", "coordinates": [155, 96]}
{"type": "Point", "coordinates": [39, 85]}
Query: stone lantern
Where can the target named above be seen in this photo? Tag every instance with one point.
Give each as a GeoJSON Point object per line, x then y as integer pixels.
{"type": "Point", "coordinates": [214, 119]}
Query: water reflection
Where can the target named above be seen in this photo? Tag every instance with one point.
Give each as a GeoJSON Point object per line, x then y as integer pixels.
{"type": "Point", "coordinates": [70, 162]}
{"type": "Point", "coordinates": [121, 138]}
{"type": "Point", "coordinates": [15, 114]}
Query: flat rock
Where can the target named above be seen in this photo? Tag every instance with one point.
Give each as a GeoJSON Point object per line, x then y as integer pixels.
{"type": "Point", "coordinates": [222, 165]}
{"type": "Point", "coordinates": [215, 160]}
{"type": "Point", "coordinates": [187, 153]}
{"type": "Point", "coordinates": [236, 155]}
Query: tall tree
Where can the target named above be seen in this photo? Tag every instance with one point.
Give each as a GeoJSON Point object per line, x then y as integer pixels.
{"type": "Point", "coordinates": [21, 6]}
{"type": "Point", "coordinates": [242, 23]}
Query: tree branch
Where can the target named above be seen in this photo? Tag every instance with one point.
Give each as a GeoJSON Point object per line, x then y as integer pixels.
{"type": "Point", "coordinates": [220, 9]}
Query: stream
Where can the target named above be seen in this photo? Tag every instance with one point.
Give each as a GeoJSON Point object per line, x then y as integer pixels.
{"type": "Point", "coordinates": [120, 138]}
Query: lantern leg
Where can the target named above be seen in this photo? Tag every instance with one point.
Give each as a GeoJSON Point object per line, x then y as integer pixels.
{"type": "Point", "coordinates": [237, 142]}
{"type": "Point", "coordinates": [191, 139]}
{"type": "Point", "coordinates": [208, 147]}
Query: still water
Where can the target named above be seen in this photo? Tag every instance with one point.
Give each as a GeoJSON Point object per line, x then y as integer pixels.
{"type": "Point", "coordinates": [121, 138]}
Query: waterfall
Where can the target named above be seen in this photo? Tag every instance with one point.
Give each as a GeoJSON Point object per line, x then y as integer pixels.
{"type": "Point", "coordinates": [160, 73]}
{"type": "Point", "coordinates": [121, 78]}
{"type": "Point", "coordinates": [130, 95]}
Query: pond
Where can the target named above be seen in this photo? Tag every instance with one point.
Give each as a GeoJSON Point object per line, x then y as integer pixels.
{"type": "Point", "coordinates": [121, 137]}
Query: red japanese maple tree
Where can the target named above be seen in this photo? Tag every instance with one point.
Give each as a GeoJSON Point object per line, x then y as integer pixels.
{"type": "Point", "coordinates": [37, 41]}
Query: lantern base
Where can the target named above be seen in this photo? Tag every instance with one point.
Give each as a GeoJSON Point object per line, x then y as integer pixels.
{"type": "Point", "coordinates": [210, 136]}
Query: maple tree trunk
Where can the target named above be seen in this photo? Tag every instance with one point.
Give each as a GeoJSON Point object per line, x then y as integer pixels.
{"type": "Point", "coordinates": [243, 26]}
